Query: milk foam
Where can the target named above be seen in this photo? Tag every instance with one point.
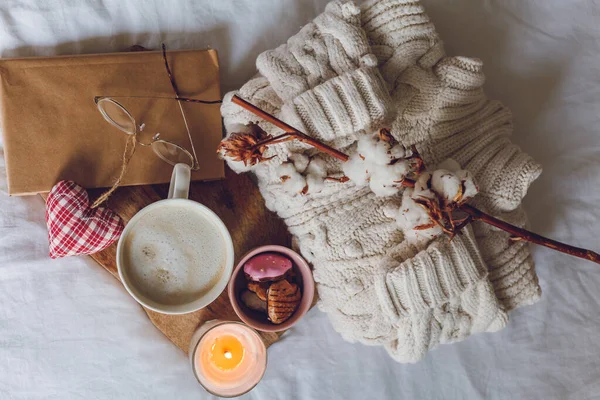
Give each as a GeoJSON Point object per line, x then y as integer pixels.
{"type": "Point", "coordinates": [174, 254]}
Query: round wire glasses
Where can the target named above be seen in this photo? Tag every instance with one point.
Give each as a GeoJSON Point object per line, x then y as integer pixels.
{"type": "Point", "coordinates": [120, 118]}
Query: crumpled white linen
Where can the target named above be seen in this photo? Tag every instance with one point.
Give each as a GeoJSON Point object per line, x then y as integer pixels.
{"type": "Point", "coordinates": [69, 331]}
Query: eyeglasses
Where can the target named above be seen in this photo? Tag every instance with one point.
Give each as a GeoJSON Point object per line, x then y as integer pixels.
{"type": "Point", "coordinates": [118, 116]}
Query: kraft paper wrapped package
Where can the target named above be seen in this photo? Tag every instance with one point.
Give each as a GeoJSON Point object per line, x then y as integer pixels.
{"type": "Point", "coordinates": [52, 129]}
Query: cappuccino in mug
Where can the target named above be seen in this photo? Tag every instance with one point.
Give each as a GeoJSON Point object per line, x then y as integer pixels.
{"type": "Point", "coordinates": [174, 254]}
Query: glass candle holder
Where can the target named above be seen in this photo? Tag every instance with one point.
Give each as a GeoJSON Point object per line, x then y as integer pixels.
{"type": "Point", "coordinates": [228, 358]}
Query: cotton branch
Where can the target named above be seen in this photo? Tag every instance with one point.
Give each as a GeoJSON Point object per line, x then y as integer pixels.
{"type": "Point", "coordinates": [250, 151]}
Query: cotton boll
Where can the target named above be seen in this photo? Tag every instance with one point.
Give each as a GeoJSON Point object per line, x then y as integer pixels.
{"type": "Point", "coordinates": [449, 164]}
{"type": "Point", "coordinates": [446, 184]}
{"type": "Point", "coordinates": [316, 171]}
{"type": "Point", "coordinates": [299, 160]}
{"type": "Point", "coordinates": [381, 189]}
{"type": "Point", "coordinates": [399, 170]}
{"type": "Point", "coordinates": [453, 186]}
{"type": "Point", "coordinates": [398, 151]}
{"type": "Point", "coordinates": [374, 150]}
{"type": "Point", "coordinates": [356, 169]}
{"type": "Point", "coordinates": [422, 187]}
{"type": "Point", "coordinates": [390, 174]}
{"type": "Point", "coordinates": [317, 167]}
{"type": "Point", "coordinates": [293, 182]}
{"type": "Point", "coordinates": [382, 186]}
{"type": "Point", "coordinates": [411, 214]}
{"type": "Point", "coordinates": [471, 188]}
{"type": "Point", "coordinates": [285, 169]}
{"type": "Point", "coordinates": [422, 183]}
{"type": "Point", "coordinates": [386, 179]}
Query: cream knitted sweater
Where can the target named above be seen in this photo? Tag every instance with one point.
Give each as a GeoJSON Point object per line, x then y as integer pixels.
{"type": "Point", "coordinates": [358, 69]}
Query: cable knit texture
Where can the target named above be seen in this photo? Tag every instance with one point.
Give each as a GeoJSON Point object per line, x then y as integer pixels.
{"type": "Point", "coordinates": [358, 69]}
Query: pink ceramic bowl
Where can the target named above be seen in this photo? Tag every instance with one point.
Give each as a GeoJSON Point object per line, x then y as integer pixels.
{"type": "Point", "coordinates": [257, 320]}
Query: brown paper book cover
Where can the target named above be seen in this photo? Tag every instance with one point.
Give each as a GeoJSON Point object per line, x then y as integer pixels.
{"type": "Point", "coordinates": [52, 129]}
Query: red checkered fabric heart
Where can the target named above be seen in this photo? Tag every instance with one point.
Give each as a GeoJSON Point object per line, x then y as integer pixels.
{"type": "Point", "coordinates": [73, 227]}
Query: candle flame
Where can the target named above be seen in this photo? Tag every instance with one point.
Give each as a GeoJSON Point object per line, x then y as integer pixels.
{"type": "Point", "coordinates": [226, 352]}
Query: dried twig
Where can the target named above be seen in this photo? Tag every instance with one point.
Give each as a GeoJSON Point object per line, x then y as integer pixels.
{"type": "Point", "coordinates": [523, 234]}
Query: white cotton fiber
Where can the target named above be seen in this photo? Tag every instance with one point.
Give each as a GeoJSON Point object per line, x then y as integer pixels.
{"type": "Point", "coordinates": [411, 215]}
{"type": "Point", "coordinates": [293, 182]}
{"type": "Point", "coordinates": [356, 169]}
{"type": "Point", "coordinates": [421, 183]}
{"type": "Point", "coordinates": [386, 179]}
{"type": "Point", "coordinates": [382, 186]}
{"type": "Point", "coordinates": [471, 188]}
{"type": "Point", "coordinates": [315, 172]}
{"type": "Point", "coordinates": [422, 188]}
{"type": "Point", "coordinates": [398, 151]}
{"type": "Point", "coordinates": [285, 169]}
{"type": "Point", "coordinates": [299, 160]}
{"type": "Point", "coordinates": [373, 149]}
{"type": "Point", "coordinates": [446, 184]}
{"type": "Point", "coordinates": [317, 167]}
{"type": "Point", "coordinates": [399, 170]}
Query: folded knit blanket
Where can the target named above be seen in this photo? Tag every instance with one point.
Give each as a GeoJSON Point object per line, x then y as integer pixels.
{"type": "Point", "coordinates": [357, 69]}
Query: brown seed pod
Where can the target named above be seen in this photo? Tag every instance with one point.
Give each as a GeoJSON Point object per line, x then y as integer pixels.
{"type": "Point", "coordinates": [245, 146]}
{"type": "Point", "coordinates": [283, 299]}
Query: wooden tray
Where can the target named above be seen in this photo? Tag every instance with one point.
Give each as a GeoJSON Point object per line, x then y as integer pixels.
{"type": "Point", "coordinates": [237, 201]}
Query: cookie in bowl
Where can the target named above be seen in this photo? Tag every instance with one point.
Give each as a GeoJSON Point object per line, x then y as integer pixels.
{"type": "Point", "coordinates": [271, 288]}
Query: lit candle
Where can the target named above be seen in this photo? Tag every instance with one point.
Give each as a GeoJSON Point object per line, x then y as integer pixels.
{"type": "Point", "coordinates": [228, 358]}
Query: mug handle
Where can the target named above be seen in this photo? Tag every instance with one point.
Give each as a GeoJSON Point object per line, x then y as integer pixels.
{"type": "Point", "coordinates": [180, 182]}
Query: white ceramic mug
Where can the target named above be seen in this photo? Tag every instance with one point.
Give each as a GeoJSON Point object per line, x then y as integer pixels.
{"type": "Point", "coordinates": [178, 196]}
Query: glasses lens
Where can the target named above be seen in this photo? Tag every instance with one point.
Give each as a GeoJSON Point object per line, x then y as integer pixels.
{"type": "Point", "coordinates": [117, 115]}
{"type": "Point", "coordinates": [172, 153]}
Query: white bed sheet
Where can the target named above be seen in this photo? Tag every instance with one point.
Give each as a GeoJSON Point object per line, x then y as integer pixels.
{"type": "Point", "coordinates": [69, 331]}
